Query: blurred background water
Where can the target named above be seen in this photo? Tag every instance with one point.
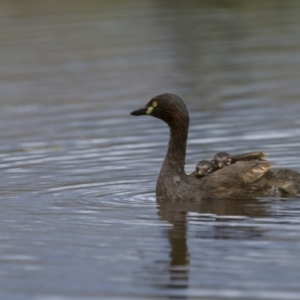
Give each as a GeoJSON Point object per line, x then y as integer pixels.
{"type": "Point", "coordinates": [79, 218]}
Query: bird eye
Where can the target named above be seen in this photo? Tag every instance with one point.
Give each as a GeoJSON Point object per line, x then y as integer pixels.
{"type": "Point", "coordinates": [154, 103]}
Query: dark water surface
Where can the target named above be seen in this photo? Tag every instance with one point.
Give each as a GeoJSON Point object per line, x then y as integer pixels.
{"type": "Point", "coordinates": [79, 218]}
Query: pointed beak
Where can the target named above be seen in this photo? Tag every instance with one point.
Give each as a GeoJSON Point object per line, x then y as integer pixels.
{"type": "Point", "coordinates": [139, 112]}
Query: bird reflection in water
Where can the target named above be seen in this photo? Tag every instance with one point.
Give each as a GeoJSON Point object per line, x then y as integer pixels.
{"type": "Point", "coordinates": [177, 214]}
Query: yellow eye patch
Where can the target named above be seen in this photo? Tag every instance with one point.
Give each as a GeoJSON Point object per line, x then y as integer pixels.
{"type": "Point", "coordinates": [149, 110]}
{"type": "Point", "coordinates": [154, 103]}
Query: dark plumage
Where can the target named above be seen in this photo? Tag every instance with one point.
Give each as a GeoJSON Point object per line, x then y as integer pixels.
{"type": "Point", "coordinates": [250, 178]}
{"type": "Point", "coordinates": [258, 155]}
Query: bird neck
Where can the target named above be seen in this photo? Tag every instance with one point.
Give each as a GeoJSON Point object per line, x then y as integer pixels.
{"type": "Point", "coordinates": [175, 157]}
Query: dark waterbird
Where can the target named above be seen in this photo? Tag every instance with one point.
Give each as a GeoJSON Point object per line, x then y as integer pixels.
{"type": "Point", "coordinates": [221, 160]}
{"type": "Point", "coordinates": [203, 168]}
{"type": "Point", "coordinates": [250, 178]}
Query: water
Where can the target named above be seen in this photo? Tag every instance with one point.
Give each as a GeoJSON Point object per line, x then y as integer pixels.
{"type": "Point", "coordinates": [79, 218]}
